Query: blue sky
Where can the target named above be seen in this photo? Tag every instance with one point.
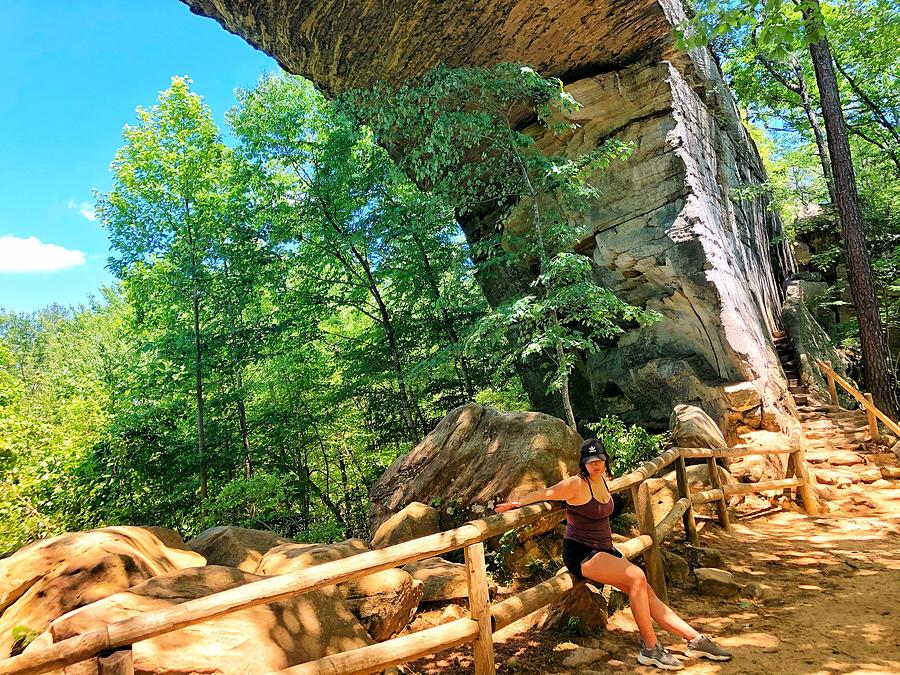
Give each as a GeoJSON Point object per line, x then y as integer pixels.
{"type": "Point", "coordinates": [72, 74]}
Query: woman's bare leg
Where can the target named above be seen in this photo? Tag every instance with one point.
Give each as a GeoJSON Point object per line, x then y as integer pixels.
{"type": "Point", "coordinates": [608, 569]}
{"type": "Point", "coordinates": [668, 619]}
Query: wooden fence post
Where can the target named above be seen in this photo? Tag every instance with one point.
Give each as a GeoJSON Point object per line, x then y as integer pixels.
{"type": "Point", "coordinates": [480, 609]}
{"type": "Point", "coordinates": [873, 421]}
{"type": "Point", "coordinates": [118, 662]}
{"type": "Point", "coordinates": [684, 490]}
{"type": "Point", "coordinates": [807, 498]}
{"type": "Point", "coordinates": [656, 573]}
{"type": "Point", "coordinates": [832, 387]}
{"type": "Point", "coordinates": [716, 484]}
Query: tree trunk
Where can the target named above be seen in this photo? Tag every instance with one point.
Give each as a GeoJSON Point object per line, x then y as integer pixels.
{"type": "Point", "coordinates": [242, 422]}
{"type": "Point", "coordinates": [862, 284]}
{"type": "Point", "coordinates": [821, 143]}
{"type": "Point", "coordinates": [198, 381]}
{"type": "Point", "coordinates": [346, 492]}
{"type": "Point", "coordinates": [564, 390]}
{"type": "Point", "coordinates": [388, 325]}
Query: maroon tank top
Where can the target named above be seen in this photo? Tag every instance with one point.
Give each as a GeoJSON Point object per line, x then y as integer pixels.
{"type": "Point", "coordinates": [588, 523]}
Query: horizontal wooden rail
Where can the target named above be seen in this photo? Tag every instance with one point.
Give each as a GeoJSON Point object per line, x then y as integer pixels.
{"type": "Point", "coordinates": [855, 393]}
{"type": "Point", "coordinates": [634, 546]}
{"type": "Point", "coordinates": [766, 486]}
{"type": "Point", "coordinates": [729, 453]}
{"type": "Point", "coordinates": [706, 496]}
{"type": "Point", "coordinates": [149, 625]}
{"type": "Point", "coordinates": [743, 489]}
{"type": "Point", "coordinates": [521, 605]}
{"type": "Point", "coordinates": [644, 471]}
{"type": "Point", "coordinates": [377, 657]}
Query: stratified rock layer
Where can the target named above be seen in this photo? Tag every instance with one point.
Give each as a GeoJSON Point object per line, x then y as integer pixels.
{"type": "Point", "coordinates": [668, 233]}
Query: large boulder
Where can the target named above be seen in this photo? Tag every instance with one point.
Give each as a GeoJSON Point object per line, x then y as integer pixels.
{"type": "Point", "coordinates": [756, 468]}
{"type": "Point", "coordinates": [384, 602]}
{"type": "Point", "coordinates": [51, 577]}
{"type": "Point", "coordinates": [443, 580]}
{"type": "Point", "coordinates": [691, 427]}
{"type": "Point", "coordinates": [261, 639]}
{"type": "Point", "coordinates": [411, 522]}
{"type": "Point", "coordinates": [477, 456]}
{"type": "Point", "coordinates": [235, 546]}
{"type": "Point", "coordinates": [19, 570]}
{"type": "Point", "coordinates": [294, 557]}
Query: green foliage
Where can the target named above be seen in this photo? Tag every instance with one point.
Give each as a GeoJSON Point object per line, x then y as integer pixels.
{"type": "Point", "coordinates": [22, 637]}
{"type": "Point", "coordinates": [575, 627]}
{"type": "Point", "coordinates": [319, 298]}
{"type": "Point", "coordinates": [509, 398]}
{"type": "Point", "coordinates": [628, 447]}
{"type": "Point", "coordinates": [259, 502]}
{"type": "Point", "coordinates": [459, 129]}
{"type": "Point", "coordinates": [765, 57]}
{"type": "Point", "coordinates": [496, 557]}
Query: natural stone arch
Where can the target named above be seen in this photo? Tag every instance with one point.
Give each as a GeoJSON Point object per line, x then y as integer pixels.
{"type": "Point", "coordinates": [666, 233]}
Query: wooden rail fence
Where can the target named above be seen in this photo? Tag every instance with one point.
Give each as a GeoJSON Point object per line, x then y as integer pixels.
{"type": "Point", "coordinates": [865, 400]}
{"type": "Point", "coordinates": [110, 646]}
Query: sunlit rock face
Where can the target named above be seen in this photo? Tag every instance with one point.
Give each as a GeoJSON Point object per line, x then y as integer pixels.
{"type": "Point", "coordinates": [666, 234]}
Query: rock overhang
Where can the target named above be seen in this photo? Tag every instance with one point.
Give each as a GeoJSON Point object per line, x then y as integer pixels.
{"type": "Point", "coordinates": [326, 40]}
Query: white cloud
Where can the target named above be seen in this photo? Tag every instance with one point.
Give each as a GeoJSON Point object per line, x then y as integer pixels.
{"type": "Point", "coordinates": [86, 209]}
{"type": "Point", "coordinates": [21, 256]}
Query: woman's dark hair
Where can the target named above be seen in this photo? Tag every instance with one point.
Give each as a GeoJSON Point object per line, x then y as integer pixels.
{"type": "Point", "coordinates": [592, 447]}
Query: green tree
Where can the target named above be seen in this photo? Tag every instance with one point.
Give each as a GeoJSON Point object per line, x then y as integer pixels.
{"type": "Point", "coordinates": [357, 234]}
{"type": "Point", "coordinates": [163, 215]}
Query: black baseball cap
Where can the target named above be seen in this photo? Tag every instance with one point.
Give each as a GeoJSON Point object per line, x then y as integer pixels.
{"type": "Point", "coordinates": [592, 449]}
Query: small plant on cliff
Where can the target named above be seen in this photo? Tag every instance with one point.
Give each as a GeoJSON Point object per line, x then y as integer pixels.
{"type": "Point", "coordinates": [22, 637]}
{"type": "Point", "coordinates": [628, 447]}
{"type": "Point", "coordinates": [470, 135]}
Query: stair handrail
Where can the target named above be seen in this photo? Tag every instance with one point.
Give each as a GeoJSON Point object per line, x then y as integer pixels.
{"type": "Point", "coordinates": [111, 644]}
{"type": "Point", "coordinates": [865, 400]}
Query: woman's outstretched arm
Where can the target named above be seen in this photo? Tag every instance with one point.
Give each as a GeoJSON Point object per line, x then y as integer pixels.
{"type": "Point", "coordinates": [564, 489]}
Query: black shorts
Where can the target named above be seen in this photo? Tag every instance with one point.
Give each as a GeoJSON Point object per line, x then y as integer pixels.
{"type": "Point", "coordinates": [575, 554]}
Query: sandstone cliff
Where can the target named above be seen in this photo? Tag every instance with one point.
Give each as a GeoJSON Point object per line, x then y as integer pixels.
{"type": "Point", "coordinates": [667, 233]}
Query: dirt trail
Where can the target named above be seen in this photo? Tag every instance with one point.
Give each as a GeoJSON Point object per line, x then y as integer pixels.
{"type": "Point", "coordinates": [831, 603]}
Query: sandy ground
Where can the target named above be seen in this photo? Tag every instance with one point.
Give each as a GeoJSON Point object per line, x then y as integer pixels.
{"type": "Point", "coordinates": [831, 602]}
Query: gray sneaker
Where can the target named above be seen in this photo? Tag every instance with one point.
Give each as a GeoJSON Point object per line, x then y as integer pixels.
{"type": "Point", "coordinates": [704, 647]}
{"type": "Point", "coordinates": [658, 657]}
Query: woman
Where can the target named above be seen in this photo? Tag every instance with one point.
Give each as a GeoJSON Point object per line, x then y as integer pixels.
{"type": "Point", "coordinates": [588, 552]}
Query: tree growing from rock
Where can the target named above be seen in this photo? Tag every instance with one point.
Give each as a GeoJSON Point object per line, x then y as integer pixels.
{"type": "Point", "coordinates": [460, 133]}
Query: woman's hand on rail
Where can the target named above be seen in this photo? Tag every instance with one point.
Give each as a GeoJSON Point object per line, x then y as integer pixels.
{"type": "Point", "coordinates": [507, 506]}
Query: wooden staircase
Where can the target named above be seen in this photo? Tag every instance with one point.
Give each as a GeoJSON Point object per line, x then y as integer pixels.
{"type": "Point", "coordinates": [826, 428]}
{"type": "Point", "coordinates": [788, 357]}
